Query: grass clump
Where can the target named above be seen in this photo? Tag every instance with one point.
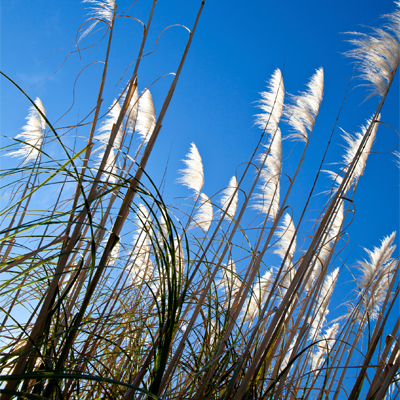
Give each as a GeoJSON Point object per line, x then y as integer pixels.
{"type": "Point", "coordinates": [111, 293]}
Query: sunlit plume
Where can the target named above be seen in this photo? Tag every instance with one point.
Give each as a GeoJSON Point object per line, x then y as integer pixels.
{"type": "Point", "coordinates": [271, 103]}
{"type": "Point", "coordinates": [193, 175]}
{"type": "Point", "coordinates": [303, 111]}
{"type": "Point", "coordinates": [146, 117]}
{"type": "Point", "coordinates": [32, 134]}
{"type": "Point", "coordinates": [101, 10]}
{"type": "Point", "coordinates": [229, 199]}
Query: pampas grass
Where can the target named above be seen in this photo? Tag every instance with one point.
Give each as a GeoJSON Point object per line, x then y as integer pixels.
{"type": "Point", "coordinates": [110, 292]}
{"type": "Point", "coordinates": [32, 134]}
{"type": "Point", "coordinates": [193, 175]}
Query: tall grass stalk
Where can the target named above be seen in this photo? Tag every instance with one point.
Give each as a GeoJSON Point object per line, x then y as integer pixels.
{"type": "Point", "coordinates": [112, 293]}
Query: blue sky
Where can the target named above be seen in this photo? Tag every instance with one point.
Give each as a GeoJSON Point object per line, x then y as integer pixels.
{"type": "Point", "coordinates": [235, 50]}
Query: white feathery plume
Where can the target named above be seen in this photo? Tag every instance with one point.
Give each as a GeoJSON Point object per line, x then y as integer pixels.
{"type": "Point", "coordinates": [267, 202]}
{"type": "Point", "coordinates": [394, 18]}
{"type": "Point", "coordinates": [376, 275]}
{"type": "Point", "coordinates": [229, 280]}
{"type": "Point", "coordinates": [378, 258]}
{"type": "Point", "coordinates": [324, 346]}
{"type": "Point", "coordinates": [379, 53]}
{"type": "Point", "coordinates": [353, 144]}
{"type": "Point", "coordinates": [146, 117]}
{"type": "Point", "coordinates": [271, 103]}
{"type": "Point", "coordinates": [101, 10]}
{"type": "Point", "coordinates": [325, 250]}
{"type": "Point", "coordinates": [132, 110]}
{"type": "Point", "coordinates": [32, 134]}
{"type": "Point", "coordinates": [230, 195]}
{"type": "Point", "coordinates": [337, 222]}
{"type": "Point", "coordinates": [335, 227]}
{"type": "Point", "coordinates": [286, 232]}
{"type": "Point", "coordinates": [193, 175]}
{"type": "Point", "coordinates": [322, 303]}
{"type": "Point", "coordinates": [204, 214]}
{"type": "Point", "coordinates": [107, 125]}
{"type": "Point", "coordinates": [302, 114]}
{"type": "Point", "coordinates": [258, 296]}
{"type": "Point", "coordinates": [110, 169]}
{"type": "Point", "coordinates": [142, 267]}
{"type": "Point", "coordinates": [379, 291]}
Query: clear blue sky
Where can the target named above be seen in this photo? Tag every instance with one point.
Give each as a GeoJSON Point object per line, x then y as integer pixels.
{"type": "Point", "coordinates": [236, 48]}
